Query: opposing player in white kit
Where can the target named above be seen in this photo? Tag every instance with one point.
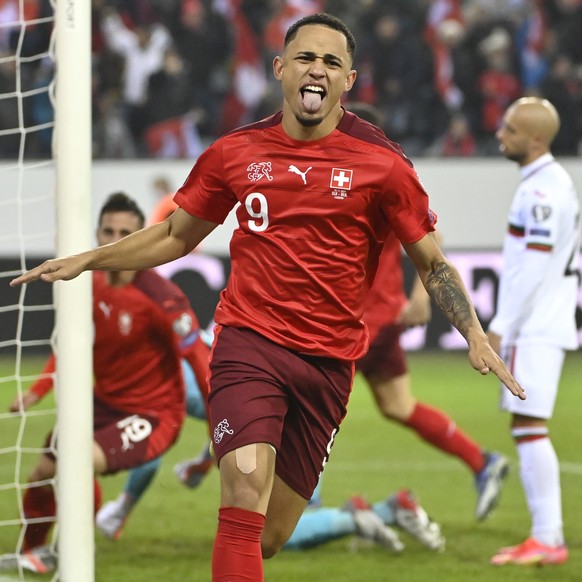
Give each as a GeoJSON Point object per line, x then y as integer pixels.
{"type": "Point", "coordinates": [535, 320]}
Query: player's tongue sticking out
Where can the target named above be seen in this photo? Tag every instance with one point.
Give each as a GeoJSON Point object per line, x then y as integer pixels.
{"type": "Point", "coordinates": [312, 100]}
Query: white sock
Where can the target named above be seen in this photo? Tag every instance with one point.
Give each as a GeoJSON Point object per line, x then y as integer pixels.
{"type": "Point", "coordinates": [540, 477]}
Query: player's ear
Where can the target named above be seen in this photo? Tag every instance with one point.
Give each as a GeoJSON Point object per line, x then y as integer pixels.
{"type": "Point", "coordinates": [278, 68]}
{"type": "Point", "coordinates": [350, 80]}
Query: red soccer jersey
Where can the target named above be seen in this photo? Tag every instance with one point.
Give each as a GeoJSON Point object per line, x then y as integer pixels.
{"type": "Point", "coordinates": [141, 332]}
{"type": "Point", "coordinates": [386, 298]}
{"type": "Point", "coordinates": [138, 330]}
{"type": "Point", "coordinates": [312, 220]}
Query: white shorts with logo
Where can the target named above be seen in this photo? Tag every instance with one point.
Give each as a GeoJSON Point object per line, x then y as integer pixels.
{"type": "Point", "coordinates": [538, 369]}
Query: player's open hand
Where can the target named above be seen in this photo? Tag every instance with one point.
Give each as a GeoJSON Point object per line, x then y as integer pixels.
{"type": "Point", "coordinates": [28, 399]}
{"type": "Point", "coordinates": [484, 359]}
{"type": "Point", "coordinates": [53, 270]}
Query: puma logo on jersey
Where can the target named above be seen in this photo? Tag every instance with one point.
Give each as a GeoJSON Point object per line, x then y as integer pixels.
{"type": "Point", "coordinates": [295, 170]}
{"type": "Point", "coordinates": [106, 309]}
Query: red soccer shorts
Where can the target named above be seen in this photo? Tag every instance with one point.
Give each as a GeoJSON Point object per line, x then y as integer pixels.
{"type": "Point", "coordinates": [261, 392]}
{"type": "Point", "coordinates": [129, 440]}
{"type": "Point", "coordinates": [385, 359]}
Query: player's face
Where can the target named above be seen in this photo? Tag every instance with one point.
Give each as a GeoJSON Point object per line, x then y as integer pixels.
{"type": "Point", "coordinates": [115, 226]}
{"type": "Point", "coordinates": [513, 137]}
{"type": "Point", "coordinates": [315, 70]}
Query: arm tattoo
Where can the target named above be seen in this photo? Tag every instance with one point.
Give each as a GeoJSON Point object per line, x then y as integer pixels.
{"type": "Point", "coordinates": [448, 292]}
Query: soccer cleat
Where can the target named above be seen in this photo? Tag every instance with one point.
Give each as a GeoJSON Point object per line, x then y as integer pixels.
{"type": "Point", "coordinates": [414, 520]}
{"type": "Point", "coordinates": [530, 552]}
{"type": "Point", "coordinates": [111, 518]}
{"type": "Point", "coordinates": [191, 473]}
{"type": "Point", "coordinates": [370, 526]}
{"type": "Point", "coordinates": [39, 560]}
{"type": "Point", "coordinates": [489, 482]}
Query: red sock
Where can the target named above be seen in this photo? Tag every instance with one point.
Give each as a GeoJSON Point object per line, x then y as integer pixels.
{"type": "Point", "coordinates": [236, 556]}
{"type": "Point", "coordinates": [38, 502]}
{"type": "Point", "coordinates": [439, 430]}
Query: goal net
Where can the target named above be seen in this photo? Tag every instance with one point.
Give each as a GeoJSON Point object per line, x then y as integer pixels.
{"type": "Point", "coordinates": [45, 187]}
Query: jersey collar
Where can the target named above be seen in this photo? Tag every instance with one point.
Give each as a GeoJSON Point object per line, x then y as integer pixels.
{"type": "Point", "coordinates": [536, 165]}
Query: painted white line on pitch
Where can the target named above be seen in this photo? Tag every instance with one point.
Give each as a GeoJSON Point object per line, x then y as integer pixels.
{"type": "Point", "coordinates": [571, 468]}
{"type": "Point", "coordinates": [395, 466]}
{"type": "Point", "coordinates": [433, 466]}
{"type": "Point", "coordinates": [4, 578]}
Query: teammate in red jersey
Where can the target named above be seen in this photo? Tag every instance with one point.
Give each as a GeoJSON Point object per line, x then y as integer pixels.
{"type": "Point", "coordinates": [319, 191]}
{"type": "Point", "coordinates": [387, 312]}
{"type": "Point", "coordinates": [143, 325]}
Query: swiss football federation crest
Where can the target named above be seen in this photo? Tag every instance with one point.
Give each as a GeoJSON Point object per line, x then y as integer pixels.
{"type": "Point", "coordinates": [125, 322]}
{"type": "Point", "coordinates": [341, 179]}
{"type": "Point", "coordinates": [258, 170]}
{"type": "Point", "coordinates": [221, 429]}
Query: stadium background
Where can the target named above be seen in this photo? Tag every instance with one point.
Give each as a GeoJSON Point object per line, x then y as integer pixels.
{"type": "Point", "coordinates": [429, 66]}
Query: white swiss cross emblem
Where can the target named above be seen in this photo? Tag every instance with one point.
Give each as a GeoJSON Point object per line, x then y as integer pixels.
{"type": "Point", "coordinates": [341, 179]}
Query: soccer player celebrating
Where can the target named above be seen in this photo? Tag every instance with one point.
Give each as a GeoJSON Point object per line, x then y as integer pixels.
{"type": "Point", "coordinates": [535, 321]}
{"type": "Point", "coordinates": [143, 326]}
{"type": "Point", "coordinates": [319, 191]}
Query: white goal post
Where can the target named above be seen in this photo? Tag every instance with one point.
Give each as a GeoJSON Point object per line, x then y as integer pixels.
{"type": "Point", "coordinates": [46, 200]}
{"type": "Point", "coordinates": [74, 298]}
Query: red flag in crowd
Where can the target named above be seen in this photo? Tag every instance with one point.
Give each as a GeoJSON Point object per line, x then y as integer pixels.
{"type": "Point", "coordinates": [249, 80]}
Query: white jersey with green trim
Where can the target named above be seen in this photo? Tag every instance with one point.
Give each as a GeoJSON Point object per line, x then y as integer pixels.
{"type": "Point", "coordinates": [539, 282]}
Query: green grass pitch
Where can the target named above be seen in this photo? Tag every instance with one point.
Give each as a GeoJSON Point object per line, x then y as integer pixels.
{"type": "Point", "coordinates": [169, 537]}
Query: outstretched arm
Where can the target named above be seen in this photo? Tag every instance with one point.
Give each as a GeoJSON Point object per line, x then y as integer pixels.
{"type": "Point", "coordinates": [176, 236]}
{"type": "Point", "coordinates": [445, 286]}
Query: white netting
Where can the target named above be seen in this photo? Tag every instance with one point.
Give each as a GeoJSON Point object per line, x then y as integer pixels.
{"type": "Point", "coordinates": [27, 234]}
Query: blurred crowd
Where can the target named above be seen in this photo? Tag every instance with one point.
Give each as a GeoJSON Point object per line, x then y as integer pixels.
{"type": "Point", "coordinates": [169, 76]}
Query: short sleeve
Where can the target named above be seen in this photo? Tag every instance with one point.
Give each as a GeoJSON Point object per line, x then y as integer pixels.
{"type": "Point", "coordinates": [204, 193]}
{"type": "Point", "coordinates": [406, 204]}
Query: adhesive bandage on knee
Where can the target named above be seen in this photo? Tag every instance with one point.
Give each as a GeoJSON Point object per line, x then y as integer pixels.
{"type": "Point", "coordinates": [246, 458]}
